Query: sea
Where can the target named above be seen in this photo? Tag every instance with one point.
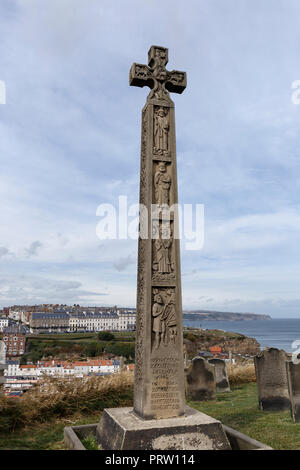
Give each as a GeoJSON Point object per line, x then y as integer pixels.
{"type": "Point", "coordinates": [278, 333]}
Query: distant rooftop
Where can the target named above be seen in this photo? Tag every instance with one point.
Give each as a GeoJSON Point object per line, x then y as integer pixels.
{"type": "Point", "coordinates": [40, 315]}
{"type": "Point", "coordinates": [15, 329]}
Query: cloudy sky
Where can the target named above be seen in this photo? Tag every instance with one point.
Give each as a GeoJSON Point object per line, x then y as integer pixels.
{"type": "Point", "coordinates": [70, 139]}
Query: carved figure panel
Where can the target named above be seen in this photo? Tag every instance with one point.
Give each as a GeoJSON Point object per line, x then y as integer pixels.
{"type": "Point", "coordinates": [161, 131]}
{"type": "Point", "coordinates": [163, 264]}
{"type": "Point", "coordinates": [164, 318]}
{"type": "Point", "coordinates": [162, 184]}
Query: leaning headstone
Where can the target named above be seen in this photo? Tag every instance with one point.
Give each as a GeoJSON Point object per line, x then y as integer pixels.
{"type": "Point", "coordinates": [159, 418]}
{"type": "Point", "coordinates": [293, 374]}
{"type": "Point", "coordinates": [201, 380]}
{"type": "Point", "coordinates": [271, 377]}
{"type": "Point", "coordinates": [221, 375]}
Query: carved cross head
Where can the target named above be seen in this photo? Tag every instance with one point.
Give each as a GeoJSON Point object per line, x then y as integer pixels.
{"type": "Point", "coordinates": [156, 76]}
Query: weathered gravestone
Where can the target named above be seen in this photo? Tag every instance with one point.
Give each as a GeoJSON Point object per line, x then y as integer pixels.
{"type": "Point", "coordinates": [271, 377]}
{"type": "Point", "coordinates": [221, 375]}
{"type": "Point", "coordinates": [159, 418]}
{"type": "Point", "coordinates": [201, 380]}
{"type": "Point", "coordinates": [293, 375]}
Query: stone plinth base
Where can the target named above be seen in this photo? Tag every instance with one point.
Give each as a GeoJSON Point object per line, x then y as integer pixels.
{"type": "Point", "coordinates": [121, 429]}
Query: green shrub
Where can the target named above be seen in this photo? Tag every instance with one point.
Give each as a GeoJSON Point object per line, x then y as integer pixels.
{"type": "Point", "coordinates": [190, 337]}
{"type": "Point", "coordinates": [106, 336]}
{"type": "Point", "coordinates": [90, 443]}
{"type": "Point", "coordinates": [93, 349]}
{"type": "Point", "coordinates": [121, 349]}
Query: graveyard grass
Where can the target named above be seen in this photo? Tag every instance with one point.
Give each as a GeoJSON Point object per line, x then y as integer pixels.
{"type": "Point", "coordinates": [238, 410]}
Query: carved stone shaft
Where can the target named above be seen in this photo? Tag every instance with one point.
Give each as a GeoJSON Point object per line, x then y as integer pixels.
{"type": "Point", "coordinates": [159, 370]}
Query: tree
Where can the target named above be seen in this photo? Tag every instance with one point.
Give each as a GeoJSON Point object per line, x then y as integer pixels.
{"type": "Point", "coordinates": [106, 336]}
{"type": "Point", "coordinates": [23, 360]}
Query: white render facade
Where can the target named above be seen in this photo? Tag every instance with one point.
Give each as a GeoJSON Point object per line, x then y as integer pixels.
{"type": "Point", "coordinates": [4, 322]}
{"type": "Point", "coordinates": [15, 314]}
{"type": "Point", "coordinates": [66, 320]}
{"type": "Point", "coordinates": [111, 322]}
{"type": "Point", "coordinates": [127, 320]}
{"type": "Point", "coordinates": [62, 370]}
{"type": "Point", "coordinates": [93, 323]}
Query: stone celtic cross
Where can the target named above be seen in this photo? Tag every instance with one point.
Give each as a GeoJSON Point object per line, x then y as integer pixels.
{"type": "Point", "coordinates": [159, 371]}
{"type": "Point", "coordinates": [155, 76]}
{"type": "Point", "coordinates": [159, 419]}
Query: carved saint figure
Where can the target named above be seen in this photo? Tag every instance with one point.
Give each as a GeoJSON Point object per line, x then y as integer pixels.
{"type": "Point", "coordinates": [161, 131]}
{"type": "Point", "coordinates": [162, 184]}
{"type": "Point", "coordinates": [169, 319]}
{"type": "Point", "coordinates": [163, 264]}
{"type": "Point", "coordinates": [162, 255]}
{"type": "Point", "coordinates": [158, 325]}
{"type": "Point", "coordinates": [164, 319]}
{"type": "Point", "coordinates": [160, 57]}
{"type": "Point", "coordinates": [159, 66]}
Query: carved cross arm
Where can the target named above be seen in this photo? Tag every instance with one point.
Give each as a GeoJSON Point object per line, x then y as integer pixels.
{"type": "Point", "coordinates": [140, 75]}
{"type": "Point", "coordinates": [176, 81]}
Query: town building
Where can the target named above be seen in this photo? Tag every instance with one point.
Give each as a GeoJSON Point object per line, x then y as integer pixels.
{"type": "Point", "coordinates": [5, 311]}
{"type": "Point", "coordinates": [48, 318]}
{"type": "Point", "coordinates": [94, 322]}
{"type": "Point", "coordinates": [4, 322]}
{"type": "Point", "coordinates": [114, 320]}
{"type": "Point", "coordinates": [41, 322]}
{"type": "Point", "coordinates": [82, 321]}
{"type": "Point", "coordinates": [127, 319]}
{"type": "Point", "coordinates": [216, 350]}
{"type": "Point", "coordinates": [15, 314]}
{"type": "Point", "coordinates": [19, 378]}
{"type": "Point", "coordinates": [14, 338]}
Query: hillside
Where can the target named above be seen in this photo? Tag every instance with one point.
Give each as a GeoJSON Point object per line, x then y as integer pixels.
{"type": "Point", "coordinates": [196, 340]}
{"type": "Point", "coordinates": [198, 315]}
{"type": "Point", "coordinates": [33, 423]}
{"type": "Point", "coordinates": [78, 346]}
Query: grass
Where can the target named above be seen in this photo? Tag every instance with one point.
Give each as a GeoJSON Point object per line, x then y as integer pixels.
{"type": "Point", "coordinates": [44, 416]}
{"type": "Point", "coordinates": [60, 398]}
{"type": "Point", "coordinates": [239, 410]}
{"type": "Point", "coordinates": [217, 334]}
{"type": "Point", "coordinates": [124, 335]}
{"type": "Point", "coordinates": [241, 373]}
{"type": "Point", "coordinates": [63, 336]}
{"type": "Point", "coordinates": [46, 436]}
{"type": "Point", "coordinates": [90, 443]}
{"type": "Point", "coordinates": [78, 345]}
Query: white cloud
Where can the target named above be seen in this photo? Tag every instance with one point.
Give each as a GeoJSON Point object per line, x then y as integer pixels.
{"type": "Point", "coordinates": [33, 248]}
{"type": "Point", "coordinates": [122, 263]}
{"type": "Point", "coordinates": [70, 137]}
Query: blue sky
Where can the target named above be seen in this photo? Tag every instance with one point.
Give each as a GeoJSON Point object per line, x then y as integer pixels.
{"type": "Point", "coordinates": [70, 139]}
